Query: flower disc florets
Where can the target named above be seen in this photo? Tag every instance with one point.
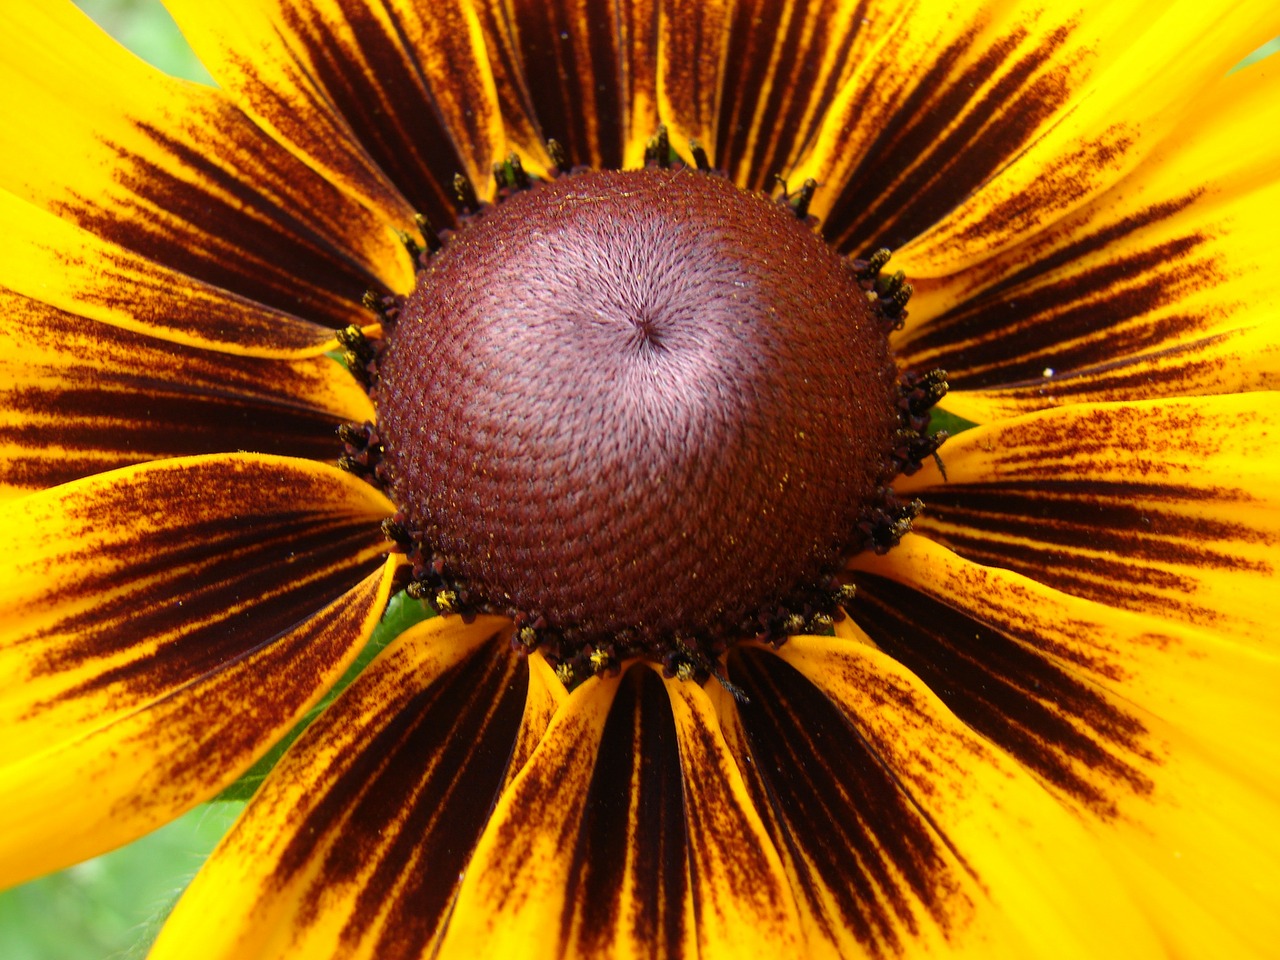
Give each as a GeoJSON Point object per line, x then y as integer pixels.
{"type": "Point", "coordinates": [642, 412]}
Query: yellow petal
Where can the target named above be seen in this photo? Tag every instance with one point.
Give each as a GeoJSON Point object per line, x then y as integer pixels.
{"type": "Point", "coordinates": [79, 397]}
{"type": "Point", "coordinates": [1163, 285]}
{"type": "Point", "coordinates": [1219, 692]}
{"type": "Point", "coordinates": [752, 80]}
{"type": "Point", "coordinates": [1161, 735]}
{"type": "Point", "coordinates": [49, 259]}
{"type": "Point", "coordinates": [546, 694]}
{"type": "Point", "coordinates": [371, 95]}
{"type": "Point", "coordinates": [628, 833]}
{"type": "Point", "coordinates": [1168, 507]}
{"type": "Point", "coordinates": [905, 832]}
{"type": "Point", "coordinates": [589, 70]}
{"type": "Point", "coordinates": [94, 135]}
{"type": "Point", "coordinates": [1237, 360]}
{"type": "Point", "coordinates": [355, 844]}
{"type": "Point", "coordinates": [975, 125]}
{"type": "Point", "coordinates": [511, 87]}
{"type": "Point", "coordinates": [161, 626]}
{"type": "Point", "coordinates": [740, 892]}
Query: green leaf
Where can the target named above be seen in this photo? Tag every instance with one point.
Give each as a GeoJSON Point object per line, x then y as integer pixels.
{"type": "Point", "coordinates": [940, 419]}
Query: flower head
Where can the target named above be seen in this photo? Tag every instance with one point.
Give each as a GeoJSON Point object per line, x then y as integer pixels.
{"type": "Point", "coordinates": [733, 655]}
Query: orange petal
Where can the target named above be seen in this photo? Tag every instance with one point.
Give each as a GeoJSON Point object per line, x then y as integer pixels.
{"type": "Point", "coordinates": [373, 96]}
{"type": "Point", "coordinates": [692, 45]}
{"type": "Point", "coordinates": [753, 80]}
{"type": "Point", "coordinates": [589, 70]}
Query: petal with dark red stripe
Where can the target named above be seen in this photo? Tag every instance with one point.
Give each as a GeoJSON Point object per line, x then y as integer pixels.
{"type": "Point", "coordinates": [977, 125]}
{"type": "Point", "coordinates": [780, 69]}
{"type": "Point", "coordinates": [589, 69]}
{"type": "Point", "coordinates": [1152, 729]}
{"type": "Point", "coordinates": [78, 397]}
{"type": "Point", "coordinates": [372, 94]}
{"type": "Point", "coordinates": [740, 894]}
{"type": "Point", "coordinates": [1139, 74]}
{"type": "Point", "coordinates": [174, 174]}
{"type": "Point", "coordinates": [904, 832]}
{"type": "Point", "coordinates": [693, 43]}
{"type": "Point", "coordinates": [511, 88]}
{"type": "Point", "coordinates": [1170, 507]}
{"type": "Point", "coordinates": [52, 260]}
{"type": "Point", "coordinates": [628, 833]}
{"type": "Point", "coordinates": [1164, 285]}
{"type": "Point", "coordinates": [358, 840]}
{"type": "Point", "coordinates": [160, 627]}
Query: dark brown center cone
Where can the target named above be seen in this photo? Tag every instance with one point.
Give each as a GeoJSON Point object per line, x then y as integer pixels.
{"type": "Point", "coordinates": [640, 403]}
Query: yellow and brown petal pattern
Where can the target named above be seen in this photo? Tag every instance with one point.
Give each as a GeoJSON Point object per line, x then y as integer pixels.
{"type": "Point", "coordinates": [162, 625]}
{"type": "Point", "coordinates": [1161, 286]}
{"type": "Point", "coordinates": [357, 845]}
{"type": "Point", "coordinates": [1160, 735]}
{"type": "Point", "coordinates": [1047, 724]}
{"type": "Point", "coordinates": [82, 397]}
{"type": "Point", "coordinates": [1167, 507]}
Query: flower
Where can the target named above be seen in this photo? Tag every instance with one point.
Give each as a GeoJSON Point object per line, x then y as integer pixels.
{"type": "Point", "coordinates": [1046, 723]}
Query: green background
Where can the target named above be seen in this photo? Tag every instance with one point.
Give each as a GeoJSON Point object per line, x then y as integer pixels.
{"type": "Point", "coordinates": [110, 908]}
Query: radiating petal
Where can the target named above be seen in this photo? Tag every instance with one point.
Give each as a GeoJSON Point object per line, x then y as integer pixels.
{"type": "Point", "coordinates": [174, 173]}
{"type": "Point", "coordinates": [628, 833]}
{"type": "Point", "coordinates": [904, 832]}
{"type": "Point", "coordinates": [50, 259]}
{"type": "Point", "coordinates": [693, 69]}
{"type": "Point", "coordinates": [546, 694]}
{"type": "Point", "coordinates": [785, 64]}
{"type": "Point", "coordinates": [1163, 285]}
{"type": "Point", "coordinates": [356, 843]}
{"type": "Point", "coordinates": [1162, 734]}
{"type": "Point", "coordinates": [79, 397]}
{"type": "Point", "coordinates": [511, 87]}
{"type": "Point", "coordinates": [393, 92]}
{"type": "Point", "coordinates": [1169, 507]}
{"type": "Point", "coordinates": [740, 893]}
{"type": "Point", "coordinates": [1013, 657]}
{"type": "Point", "coordinates": [588, 66]}
{"type": "Point", "coordinates": [1149, 68]}
{"type": "Point", "coordinates": [160, 627]}
{"type": "Point", "coordinates": [1237, 360]}
{"type": "Point", "coordinates": [990, 122]}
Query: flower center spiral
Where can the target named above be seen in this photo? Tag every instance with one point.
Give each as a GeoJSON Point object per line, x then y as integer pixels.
{"type": "Point", "coordinates": [643, 413]}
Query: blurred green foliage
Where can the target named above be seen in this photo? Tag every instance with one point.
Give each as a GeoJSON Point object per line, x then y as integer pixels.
{"type": "Point", "coordinates": [145, 27]}
{"type": "Point", "coordinates": [112, 906]}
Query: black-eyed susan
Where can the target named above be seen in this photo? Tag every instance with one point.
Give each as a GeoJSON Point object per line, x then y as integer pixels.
{"type": "Point", "coordinates": [731, 664]}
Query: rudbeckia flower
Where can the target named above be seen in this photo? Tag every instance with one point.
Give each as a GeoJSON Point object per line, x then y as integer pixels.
{"type": "Point", "coordinates": [577, 321]}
